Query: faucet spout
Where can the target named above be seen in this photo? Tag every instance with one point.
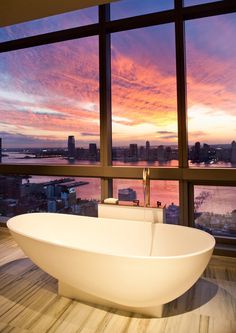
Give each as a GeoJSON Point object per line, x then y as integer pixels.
{"type": "Point", "coordinates": [146, 186]}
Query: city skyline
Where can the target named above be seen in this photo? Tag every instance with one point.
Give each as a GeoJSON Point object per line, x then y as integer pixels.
{"type": "Point", "coordinates": [86, 145]}
{"type": "Point", "coordinates": [44, 103]}
{"type": "Point", "coordinates": [198, 154]}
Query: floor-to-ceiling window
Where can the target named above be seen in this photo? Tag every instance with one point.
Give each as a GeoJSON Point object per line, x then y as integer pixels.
{"type": "Point", "coordinates": [211, 91]}
{"type": "Point", "coordinates": [164, 99]}
{"type": "Point", "coordinates": [144, 107]}
{"type": "Point", "coordinates": [49, 105]}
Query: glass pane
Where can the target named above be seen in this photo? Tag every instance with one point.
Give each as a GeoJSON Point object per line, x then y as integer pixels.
{"type": "Point", "coordinates": [126, 8]}
{"type": "Point", "coordinates": [49, 24]}
{"type": "Point", "coordinates": [144, 116]}
{"type": "Point", "coordinates": [27, 194]}
{"type": "Point", "coordinates": [198, 2]}
{"type": "Point", "coordinates": [211, 90]}
{"type": "Point", "coordinates": [214, 209]}
{"type": "Point", "coordinates": [164, 193]}
{"type": "Point", "coordinates": [49, 106]}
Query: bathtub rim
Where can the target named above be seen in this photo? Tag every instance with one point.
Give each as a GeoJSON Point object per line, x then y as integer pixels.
{"type": "Point", "coordinates": [147, 257]}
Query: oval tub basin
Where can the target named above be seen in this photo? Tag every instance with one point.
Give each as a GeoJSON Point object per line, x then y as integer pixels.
{"type": "Point", "coordinates": [109, 262]}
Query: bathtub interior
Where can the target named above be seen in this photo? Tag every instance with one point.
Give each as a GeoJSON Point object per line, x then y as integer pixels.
{"type": "Point", "coordinates": [85, 233]}
{"type": "Point", "coordinates": [110, 236]}
{"type": "Point", "coordinates": [174, 240]}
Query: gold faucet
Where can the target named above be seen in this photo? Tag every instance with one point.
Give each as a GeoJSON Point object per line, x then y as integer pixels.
{"type": "Point", "coordinates": [146, 186]}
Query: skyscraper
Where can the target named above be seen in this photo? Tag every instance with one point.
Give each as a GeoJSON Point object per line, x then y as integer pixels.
{"type": "Point", "coordinates": [93, 152]}
{"type": "Point", "coordinates": [71, 147]}
{"type": "Point", "coordinates": [133, 151]}
{"type": "Point", "coordinates": [147, 150]}
{"type": "Point", "coordinates": [0, 150]}
{"type": "Point", "coordinates": [233, 152]}
{"type": "Point", "coordinates": [197, 152]}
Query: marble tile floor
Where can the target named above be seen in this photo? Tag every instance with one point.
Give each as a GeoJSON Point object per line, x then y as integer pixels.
{"type": "Point", "coordinates": [29, 302]}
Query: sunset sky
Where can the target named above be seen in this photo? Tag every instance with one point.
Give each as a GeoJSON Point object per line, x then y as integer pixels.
{"type": "Point", "coordinates": [52, 91]}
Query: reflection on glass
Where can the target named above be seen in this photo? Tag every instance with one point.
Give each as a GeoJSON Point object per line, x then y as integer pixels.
{"type": "Point", "coordinates": [166, 193]}
{"type": "Point", "coordinates": [49, 24]}
{"type": "Point", "coordinates": [126, 8]}
{"type": "Point", "coordinates": [46, 100]}
{"type": "Point", "coordinates": [211, 91]}
{"type": "Point", "coordinates": [215, 210]}
{"type": "Point", "coordinates": [68, 195]}
{"type": "Point", "coordinates": [162, 193]}
{"type": "Point", "coordinates": [144, 117]}
{"type": "Point", "coordinates": [198, 2]}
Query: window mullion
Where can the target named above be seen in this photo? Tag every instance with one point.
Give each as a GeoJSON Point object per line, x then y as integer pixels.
{"type": "Point", "coordinates": [105, 97]}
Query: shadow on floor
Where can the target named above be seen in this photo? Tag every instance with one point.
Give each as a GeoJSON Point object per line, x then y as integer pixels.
{"type": "Point", "coordinates": [198, 295]}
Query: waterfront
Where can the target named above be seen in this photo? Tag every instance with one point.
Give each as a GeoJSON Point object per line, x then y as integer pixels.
{"type": "Point", "coordinates": [221, 199]}
{"type": "Point", "coordinates": [213, 204]}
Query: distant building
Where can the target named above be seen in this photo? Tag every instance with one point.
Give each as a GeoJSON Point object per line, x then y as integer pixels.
{"type": "Point", "coordinates": [93, 152]}
{"type": "Point", "coordinates": [0, 150]}
{"type": "Point", "coordinates": [50, 191]}
{"type": "Point", "coordinates": [52, 206]}
{"type": "Point", "coordinates": [10, 187]}
{"type": "Point", "coordinates": [233, 152]}
{"type": "Point", "coordinates": [168, 153]}
{"type": "Point", "coordinates": [133, 152]}
{"type": "Point", "coordinates": [65, 196]}
{"type": "Point", "coordinates": [147, 150]}
{"type": "Point", "coordinates": [160, 153]}
{"type": "Point", "coordinates": [142, 153]}
{"type": "Point", "coordinates": [81, 153]}
{"type": "Point", "coordinates": [71, 147]}
{"type": "Point", "coordinates": [127, 194]}
{"type": "Point", "coordinates": [205, 153]}
{"type": "Point", "coordinates": [197, 153]}
{"type": "Point", "coordinates": [233, 213]}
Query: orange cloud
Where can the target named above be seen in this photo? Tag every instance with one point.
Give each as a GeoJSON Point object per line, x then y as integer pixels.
{"type": "Point", "coordinates": [52, 91]}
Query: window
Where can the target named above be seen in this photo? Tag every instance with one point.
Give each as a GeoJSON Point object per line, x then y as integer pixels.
{"type": "Point", "coordinates": [211, 90]}
{"type": "Point", "coordinates": [164, 194]}
{"type": "Point", "coordinates": [214, 209]}
{"type": "Point", "coordinates": [144, 97]}
{"type": "Point", "coordinates": [50, 106]}
{"type": "Point", "coordinates": [50, 94]}
{"type": "Point", "coordinates": [49, 24]}
{"type": "Point", "coordinates": [29, 193]}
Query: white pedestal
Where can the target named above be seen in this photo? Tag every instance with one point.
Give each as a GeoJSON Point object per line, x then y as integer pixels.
{"type": "Point", "coordinates": [77, 294]}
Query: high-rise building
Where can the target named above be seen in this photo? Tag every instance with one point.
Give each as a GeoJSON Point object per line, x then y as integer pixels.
{"type": "Point", "coordinates": [133, 151]}
{"type": "Point", "coordinates": [10, 187]}
{"type": "Point", "coordinates": [71, 147]}
{"type": "Point", "coordinates": [142, 153]}
{"type": "Point", "coordinates": [233, 152]}
{"type": "Point", "coordinates": [93, 152]}
{"type": "Point", "coordinates": [197, 152]}
{"type": "Point", "coordinates": [0, 150]}
{"type": "Point", "coordinates": [161, 153]}
{"type": "Point", "coordinates": [147, 150]}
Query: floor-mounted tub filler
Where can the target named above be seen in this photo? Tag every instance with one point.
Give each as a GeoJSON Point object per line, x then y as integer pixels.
{"type": "Point", "coordinates": [107, 261]}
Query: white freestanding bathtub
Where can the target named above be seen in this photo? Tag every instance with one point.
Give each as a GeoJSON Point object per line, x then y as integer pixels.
{"type": "Point", "coordinates": [108, 262]}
